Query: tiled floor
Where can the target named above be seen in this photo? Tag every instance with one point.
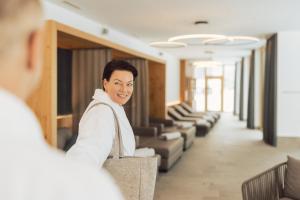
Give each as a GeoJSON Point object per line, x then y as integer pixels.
{"type": "Point", "coordinates": [215, 166]}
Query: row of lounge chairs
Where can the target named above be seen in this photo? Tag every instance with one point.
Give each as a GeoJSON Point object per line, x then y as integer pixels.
{"type": "Point", "coordinates": [182, 119]}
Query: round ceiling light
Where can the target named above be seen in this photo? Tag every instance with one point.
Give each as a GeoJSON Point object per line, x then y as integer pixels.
{"type": "Point", "coordinates": [231, 40]}
{"type": "Point", "coordinates": [195, 39]}
{"type": "Point", "coordinates": [168, 44]}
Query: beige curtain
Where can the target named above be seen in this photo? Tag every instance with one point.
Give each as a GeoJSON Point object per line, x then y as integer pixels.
{"type": "Point", "coordinates": [270, 95]}
{"type": "Point", "coordinates": [251, 94]}
{"type": "Point", "coordinates": [87, 69]}
{"type": "Point", "coordinates": [137, 109]}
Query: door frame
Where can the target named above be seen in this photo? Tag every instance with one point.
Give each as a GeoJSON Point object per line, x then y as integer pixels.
{"type": "Point", "coordinates": [222, 89]}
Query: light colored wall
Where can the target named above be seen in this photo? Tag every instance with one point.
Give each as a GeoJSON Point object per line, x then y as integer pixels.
{"type": "Point", "coordinates": [246, 86]}
{"type": "Point", "coordinates": [173, 80]}
{"type": "Point", "coordinates": [62, 15]}
{"type": "Point", "coordinates": [237, 87]}
{"type": "Point", "coordinates": [288, 85]}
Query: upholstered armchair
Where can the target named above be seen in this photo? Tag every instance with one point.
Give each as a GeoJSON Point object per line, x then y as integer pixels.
{"type": "Point", "coordinates": [170, 151]}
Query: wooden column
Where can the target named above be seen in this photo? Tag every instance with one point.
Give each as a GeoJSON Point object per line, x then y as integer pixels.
{"type": "Point", "coordinates": [157, 89]}
{"type": "Point", "coordinates": [182, 80]}
{"type": "Point", "coordinates": [44, 99]}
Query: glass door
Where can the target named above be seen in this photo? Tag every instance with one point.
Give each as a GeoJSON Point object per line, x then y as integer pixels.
{"type": "Point", "coordinates": [214, 93]}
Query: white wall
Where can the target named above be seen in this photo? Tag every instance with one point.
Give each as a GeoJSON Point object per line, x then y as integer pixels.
{"type": "Point", "coordinates": [237, 87]}
{"type": "Point", "coordinates": [82, 23]}
{"type": "Point", "coordinates": [173, 80]}
{"type": "Point", "coordinates": [246, 86]}
{"type": "Point", "coordinates": [288, 88]}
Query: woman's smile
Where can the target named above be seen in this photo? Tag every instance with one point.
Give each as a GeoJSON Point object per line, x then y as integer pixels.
{"type": "Point", "coordinates": [122, 95]}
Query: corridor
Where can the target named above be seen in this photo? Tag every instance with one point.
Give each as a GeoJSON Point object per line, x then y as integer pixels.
{"type": "Point", "coordinates": [215, 166]}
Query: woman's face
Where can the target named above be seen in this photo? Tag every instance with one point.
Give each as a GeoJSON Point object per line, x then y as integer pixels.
{"type": "Point", "coordinates": [120, 86]}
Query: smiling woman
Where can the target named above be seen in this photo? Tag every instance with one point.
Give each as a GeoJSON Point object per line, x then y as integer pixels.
{"type": "Point", "coordinates": [97, 125]}
{"type": "Point", "coordinates": [119, 86]}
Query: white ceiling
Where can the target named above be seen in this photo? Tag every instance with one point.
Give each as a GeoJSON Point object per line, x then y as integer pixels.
{"type": "Point", "coordinates": [153, 20]}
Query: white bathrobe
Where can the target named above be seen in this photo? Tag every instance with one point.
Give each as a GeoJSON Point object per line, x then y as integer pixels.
{"type": "Point", "coordinates": [97, 131]}
{"type": "Point", "coordinates": [31, 170]}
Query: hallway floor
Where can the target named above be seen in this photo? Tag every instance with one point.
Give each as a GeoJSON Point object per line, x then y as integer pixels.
{"type": "Point", "coordinates": [216, 165]}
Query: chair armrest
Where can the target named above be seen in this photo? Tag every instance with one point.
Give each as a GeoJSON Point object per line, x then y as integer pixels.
{"type": "Point", "coordinates": [266, 185]}
{"type": "Point", "coordinates": [63, 136]}
{"type": "Point", "coordinates": [166, 122]}
{"type": "Point", "coordinates": [160, 127]}
{"type": "Point", "coordinates": [145, 131]}
{"type": "Point", "coordinates": [137, 141]}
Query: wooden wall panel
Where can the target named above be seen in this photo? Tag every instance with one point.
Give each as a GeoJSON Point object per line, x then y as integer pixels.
{"type": "Point", "coordinates": [157, 87]}
{"type": "Point", "coordinates": [182, 80]}
{"type": "Point", "coordinates": [67, 41]}
{"type": "Point", "coordinates": [97, 40]}
{"type": "Point", "coordinates": [43, 100]}
{"type": "Point", "coordinates": [173, 103]}
{"type": "Point", "coordinates": [119, 55]}
{"type": "Point", "coordinates": [65, 121]}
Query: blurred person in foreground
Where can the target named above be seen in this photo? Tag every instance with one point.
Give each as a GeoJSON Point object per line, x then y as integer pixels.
{"type": "Point", "coordinates": [30, 169]}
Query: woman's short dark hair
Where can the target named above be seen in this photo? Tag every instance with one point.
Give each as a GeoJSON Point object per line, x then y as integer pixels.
{"type": "Point", "coordinates": [118, 65]}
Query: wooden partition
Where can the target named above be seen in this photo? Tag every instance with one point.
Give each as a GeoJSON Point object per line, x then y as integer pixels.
{"type": "Point", "coordinates": [183, 86]}
{"type": "Point", "coordinates": [44, 100]}
{"type": "Point", "coordinates": [119, 55]}
{"type": "Point", "coordinates": [157, 87]}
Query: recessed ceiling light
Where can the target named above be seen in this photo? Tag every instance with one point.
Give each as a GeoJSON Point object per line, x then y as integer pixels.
{"type": "Point", "coordinates": [201, 22]}
{"type": "Point", "coordinates": [195, 39]}
{"type": "Point", "coordinates": [168, 44]}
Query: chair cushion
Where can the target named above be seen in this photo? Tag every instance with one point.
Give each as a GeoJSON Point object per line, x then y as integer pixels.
{"type": "Point", "coordinates": [185, 132]}
{"type": "Point", "coordinates": [186, 114]}
{"type": "Point", "coordinates": [181, 110]}
{"type": "Point", "coordinates": [203, 122]}
{"type": "Point", "coordinates": [63, 136]}
{"type": "Point", "coordinates": [167, 163]}
{"type": "Point", "coordinates": [162, 147]}
{"type": "Point", "coordinates": [158, 160]}
{"type": "Point", "coordinates": [292, 182]}
{"type": "Point", "coordinates": [188, 134]}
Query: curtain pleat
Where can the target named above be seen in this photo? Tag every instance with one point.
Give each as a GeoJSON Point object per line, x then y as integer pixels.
{"type": "Point", "coordinates": [251, 100]}
{"type": "Point", "coordinates": [270, 93]}
{"type": "Point", "coordinates": [137, 109]}
{"type": "Point", "coordinates": [87, 69]}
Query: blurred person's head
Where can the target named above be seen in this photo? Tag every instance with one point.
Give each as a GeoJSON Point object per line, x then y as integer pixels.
{"type": "Point", "coordinates": [20, 45]}
{"type": "Point", "coordinates": [118, 77]}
